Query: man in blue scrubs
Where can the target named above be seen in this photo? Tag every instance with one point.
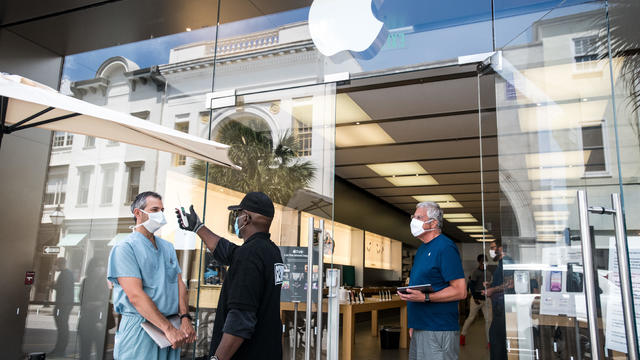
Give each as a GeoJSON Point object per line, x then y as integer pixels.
{"type": "Point", "coordinates": [148, 287]}
{"type": "Point", "coordinates": [433, 318]}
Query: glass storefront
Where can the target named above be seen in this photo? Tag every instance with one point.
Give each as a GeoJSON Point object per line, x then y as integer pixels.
{"type": "Point", "coordinates": [503, 112]}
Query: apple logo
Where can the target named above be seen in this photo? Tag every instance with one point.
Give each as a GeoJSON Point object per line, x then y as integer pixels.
{"type": "Point", "coordinates": [347, 25]}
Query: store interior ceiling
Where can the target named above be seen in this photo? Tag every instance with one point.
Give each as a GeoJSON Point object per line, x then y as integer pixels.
{"type": "Point", "coordinates": [416, 137]}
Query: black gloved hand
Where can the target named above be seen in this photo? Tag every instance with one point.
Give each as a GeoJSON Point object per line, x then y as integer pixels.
{"type": "Point", "coordinates": [194, 223]}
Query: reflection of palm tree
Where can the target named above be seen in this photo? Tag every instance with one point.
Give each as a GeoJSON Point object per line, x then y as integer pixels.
{"type": "Point", "coordinates": [623, 39]}
{"type": "Point", "coordinates": [278, 171]}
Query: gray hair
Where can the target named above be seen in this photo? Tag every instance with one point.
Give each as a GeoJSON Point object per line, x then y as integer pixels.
{"type": "Point", "coordinates": [140, 202]}
{"type": "Point", "coordinates": [433, 211]}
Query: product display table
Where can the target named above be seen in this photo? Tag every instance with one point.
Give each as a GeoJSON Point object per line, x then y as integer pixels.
{"type": "Point", "coordinates": [349, 312]}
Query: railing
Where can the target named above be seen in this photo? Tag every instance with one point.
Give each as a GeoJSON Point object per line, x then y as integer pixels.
{"type": "Point", "coordinates": [245, 43]}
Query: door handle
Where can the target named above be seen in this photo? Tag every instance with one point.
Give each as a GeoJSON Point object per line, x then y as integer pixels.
{"type": "Point", "coordinates": [625, 278]}
{"type": "Point", "coordinates": [589, 277]}
{"type": "Point", "coordinates": [319, 306]}
{"type": "Point", "coordinates": [623, 270]}
{"type": "Point", "coordinates": [307, 328]}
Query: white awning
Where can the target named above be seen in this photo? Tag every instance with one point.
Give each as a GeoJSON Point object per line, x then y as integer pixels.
{"type": "Point", "coordinates": [71, 239]}
{"type": "Point", "coordinates": [25, 104]}
{"type": "Point", "coordinates": [118, 238]}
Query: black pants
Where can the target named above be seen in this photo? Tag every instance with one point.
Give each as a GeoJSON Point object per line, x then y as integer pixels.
{"type": "Point", "coordinates": [498, 335]}
{"type": "Point", "coordinates": [61, 316]}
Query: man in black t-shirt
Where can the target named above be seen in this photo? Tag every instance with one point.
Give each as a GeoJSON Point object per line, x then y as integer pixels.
{"type": "Point", "coordinates": [247, 324]}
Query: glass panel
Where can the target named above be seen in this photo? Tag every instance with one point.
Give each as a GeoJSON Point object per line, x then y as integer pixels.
{"type": "Point", "coordinates": [92, 181]}
{"type": "Point", "coordinates": [558, 131]}
{"type": "Point", "coordinates": [293, 164]}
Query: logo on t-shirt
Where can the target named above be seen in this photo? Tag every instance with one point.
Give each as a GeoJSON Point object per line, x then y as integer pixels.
{"type": "Point", "coordinates": [278, 272]}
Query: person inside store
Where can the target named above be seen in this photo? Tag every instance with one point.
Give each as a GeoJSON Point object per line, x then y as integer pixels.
{"type": "Point", "coordinates": [433, 317]}
{"type": "Point", "coordinates": [477, 302]}
{"type": "Point", "coordinates": [247, 323]}
{"type": "Point", "coordinates": [502, 282]}
{"type": "Point", "coordinates": [147, 286]}
{"type": "Point", "coordinates": [63, 306]}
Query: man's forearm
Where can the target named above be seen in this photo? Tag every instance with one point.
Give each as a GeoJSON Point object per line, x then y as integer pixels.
{"type": "Point", "coordinates": [209, 237]}
{"type": "Point", "coordinates": [455, 291]}
{"type": "Point", "coordinates": [148, 309]}
{"type": "Point", "coordinates": [228, 346]}
{"type": "Point", "coordinates": [183, 301]}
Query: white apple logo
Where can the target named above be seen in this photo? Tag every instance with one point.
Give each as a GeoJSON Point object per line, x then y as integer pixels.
{"type": "Point", "coordinates": [338, 25]}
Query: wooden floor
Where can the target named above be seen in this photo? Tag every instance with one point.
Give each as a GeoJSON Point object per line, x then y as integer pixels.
{"type": "Point", "coordinates": [368, 347]}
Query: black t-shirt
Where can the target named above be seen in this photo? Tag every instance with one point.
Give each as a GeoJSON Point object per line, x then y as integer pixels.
{"type": "Point", "coordinates": [251, 286]}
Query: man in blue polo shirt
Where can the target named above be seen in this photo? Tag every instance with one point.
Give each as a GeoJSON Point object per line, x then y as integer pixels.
{"type": "Point", "coordinates": [433, 318]}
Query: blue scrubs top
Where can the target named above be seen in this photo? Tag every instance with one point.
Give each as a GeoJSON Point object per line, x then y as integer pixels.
{"type": "Point", "coordinates": [158, 268]}
{"type": "Point", "coordinates": [436, 263]}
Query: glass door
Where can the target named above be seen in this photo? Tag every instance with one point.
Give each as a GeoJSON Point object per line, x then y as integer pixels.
{"type": "Point", "coordinates": [284, 140]}
{"type": "Point", "coordinates": [567, 150]}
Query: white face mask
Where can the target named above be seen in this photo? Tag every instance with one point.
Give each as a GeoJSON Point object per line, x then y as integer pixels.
{"type": "Point", "coordinates": [416, 227]}
{"type": "Point", "coordinates": [492, 253]}
{"type": "Point", "coordinates": [156, 221]}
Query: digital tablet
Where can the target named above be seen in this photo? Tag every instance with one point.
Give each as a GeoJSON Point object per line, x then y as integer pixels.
{"type": "Point", "coordinates": [426, 288]}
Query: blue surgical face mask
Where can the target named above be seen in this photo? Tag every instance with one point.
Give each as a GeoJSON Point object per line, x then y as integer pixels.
{"type": "Point", "coordinates": [237, 228]}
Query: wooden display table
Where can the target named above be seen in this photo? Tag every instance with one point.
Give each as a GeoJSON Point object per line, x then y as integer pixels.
{"type": "Point", "coordinates": [349, 312]}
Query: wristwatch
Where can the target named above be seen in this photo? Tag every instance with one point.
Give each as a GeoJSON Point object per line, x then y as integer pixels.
{"type": "Point", "coordinates": [187, 315]}
{"type": "Point", "coordinates": [426, 297]}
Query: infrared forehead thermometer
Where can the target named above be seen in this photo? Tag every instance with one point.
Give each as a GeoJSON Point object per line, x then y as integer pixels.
{"type": "Point", "coordinates": [182, 212]}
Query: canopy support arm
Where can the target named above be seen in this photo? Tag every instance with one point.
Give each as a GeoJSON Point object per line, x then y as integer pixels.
{"type": "Point", "coordinates": [9, 130]}
{"type": "Point", "coordinates": [4, 102]}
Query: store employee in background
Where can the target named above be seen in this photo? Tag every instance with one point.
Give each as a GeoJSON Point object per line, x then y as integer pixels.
{"type": "Point", "coordinates": [247, 324]}
{"type": "Point", "coordinates": [433, 318]}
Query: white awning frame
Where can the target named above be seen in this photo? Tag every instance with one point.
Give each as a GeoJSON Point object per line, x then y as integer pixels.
{"type": "Point", "coordinates": [25, 104]}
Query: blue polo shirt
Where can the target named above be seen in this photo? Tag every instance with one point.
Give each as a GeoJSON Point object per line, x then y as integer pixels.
{"type": "Point", "coordinates": [436, 263]}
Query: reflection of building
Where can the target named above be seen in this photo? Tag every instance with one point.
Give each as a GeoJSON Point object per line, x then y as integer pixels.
{"type": "Point", "coordinates": [94, 180]}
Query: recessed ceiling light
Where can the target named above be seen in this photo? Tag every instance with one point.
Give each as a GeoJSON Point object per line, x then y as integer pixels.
{"type": "Point", "coordinates": [450, 205]}
{"type": "Point", "coordinates": [484, 240]}
{"type": "Point", "coordinates": [420, 180]}
{"type": "Point", "coordinates": [362, 135]}
{"type": "Point", "coordinates": [435, 198]}
{"type": "Point", "coordinates": [472, 228]}
{"type": "Point", "coordinates": [348, 112]}
{"type": "Point", "coordinates": [462, 220]}
{"type": "Point", "coordinates": [481, 235]}
{"type": "Point", "coordinates": [397, 168]}
{"type": "Point", "coordinates": [458, 216]}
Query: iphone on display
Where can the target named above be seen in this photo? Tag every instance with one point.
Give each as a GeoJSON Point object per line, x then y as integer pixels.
{"type": "Point", "coordinates": [556, 281]}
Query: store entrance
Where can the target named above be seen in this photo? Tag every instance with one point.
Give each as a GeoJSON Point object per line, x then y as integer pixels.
{"type": "Point", "coordinates": [413, 137]}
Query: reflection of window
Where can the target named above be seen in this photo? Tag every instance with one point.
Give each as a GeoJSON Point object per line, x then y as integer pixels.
{"type": "Point", "coordinates": [62, 139]}
{"type": "Point", "coordinates": [204, 117]}
{"type": "Point", "coordinates": [133, 187]}
{"type": "Point", "coordinates": [302, 128]}
{"type": "Point", "coordinates": [56, 190]}
{"type": "Point", "coordinates": [585, 52]}
{"type": "Point", "coordinates": [89, 141]}
{"type": "Point", "coordinates": [593, 143]}
{"type": "Point", "coordinates": [180, 160]}
{"type": "Point", "coordinates": [83, 185]}
{"type": "Point", "coordinates": [108, 178]}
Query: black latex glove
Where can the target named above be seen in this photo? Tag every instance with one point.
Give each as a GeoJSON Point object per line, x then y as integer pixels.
{"type": "Point", "coordinates": [193, 221]}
